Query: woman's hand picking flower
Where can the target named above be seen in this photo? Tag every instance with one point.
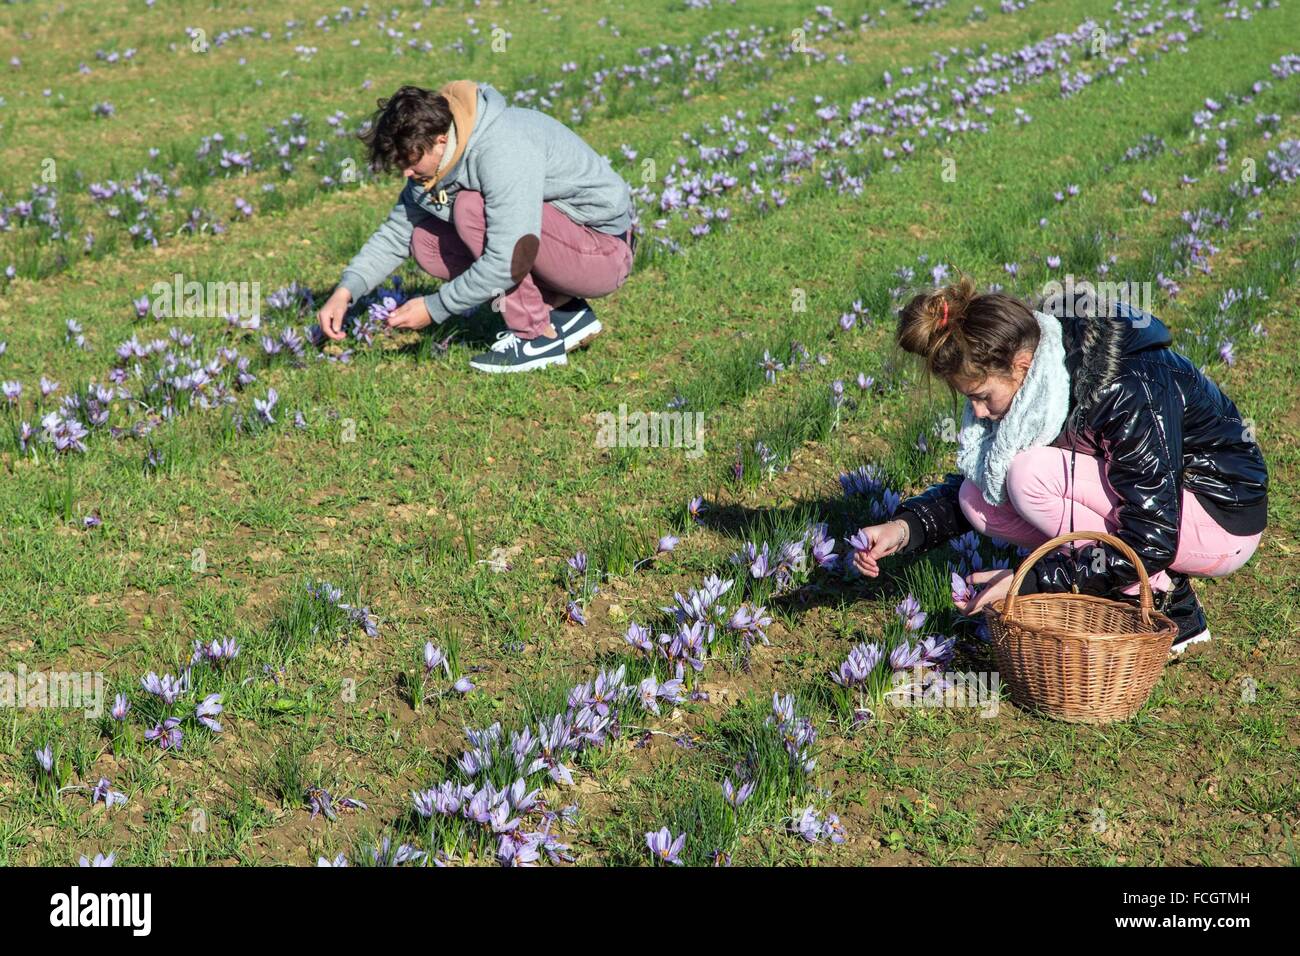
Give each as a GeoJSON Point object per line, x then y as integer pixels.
{"type": "Point", "coordinates": [999, 585]}
{"type": "Point", "coordinates": [885, 540]}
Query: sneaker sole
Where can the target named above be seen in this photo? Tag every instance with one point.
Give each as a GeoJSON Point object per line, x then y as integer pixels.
{"type": "Point", "coordinates": [582, 339]}
{"type": "Point", "coordinates": [1201, 638]}
{"type": "Point", "coordinates": [539, 362]}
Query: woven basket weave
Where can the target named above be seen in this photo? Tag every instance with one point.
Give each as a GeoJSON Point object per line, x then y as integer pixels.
{"type": "Point", "coordinates": [1076, 657]}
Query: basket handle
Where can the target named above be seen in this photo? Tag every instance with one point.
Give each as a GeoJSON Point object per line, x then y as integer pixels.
{"type": "Point", "coordinates": [1145, 602]}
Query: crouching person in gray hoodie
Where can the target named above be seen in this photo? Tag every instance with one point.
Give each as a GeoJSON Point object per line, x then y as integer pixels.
{"type": "Point", "coordinates": [505, 205]}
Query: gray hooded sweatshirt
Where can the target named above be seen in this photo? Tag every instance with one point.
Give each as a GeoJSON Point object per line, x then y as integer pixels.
{"type": "Point", "coordinates": [517, 159]}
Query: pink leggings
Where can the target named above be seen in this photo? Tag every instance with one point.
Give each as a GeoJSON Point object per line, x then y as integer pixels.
{"type": "Point", "coordinates": [572, 260]}
{"type": "Point", "coordinates": [1038, 507]}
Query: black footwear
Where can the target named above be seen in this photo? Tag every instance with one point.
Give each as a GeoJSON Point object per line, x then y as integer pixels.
{"type": "Point", "coordinates": [510, 353]}
{"type": "Point", "coordinates": [576, 323]}
{"type": "Point", "coordinates": [1181, 605]}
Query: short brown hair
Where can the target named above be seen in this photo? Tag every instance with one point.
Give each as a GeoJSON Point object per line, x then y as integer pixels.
{"type": "Point", "coordinates": [980, 336]}
{"type": "Point", "coordinates": [404, 126]}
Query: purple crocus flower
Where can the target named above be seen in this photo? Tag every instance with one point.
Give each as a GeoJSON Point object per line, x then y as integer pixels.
{"type": "Point", "coordinates": [770, 366]}
{"type": "Point", "coordinates": [751, 622]}
{"type": "Point", "coordinates": [264, 407]}
{"type": "Point", "coordinates": [387, 855]}
{"type": "Point", "coordinates": [547, 842]}
{"type": "Point", "coordinates": [103, 791]}
{"type": "Point", "coordinates": [208, 711]}
{"type": "Point", "coordinates": [808, 825]}
{"type": "Point", "coordinates": [833, 829]}
{"type": "Point", "coordinates": [695, 507]}
{"type": "Point", "coordinates": [45, 757]}
{"type": "Point", "coordinates": [167, 687]}
{"type": "Point", "coordinates": [579, 562]}
{"type": "Point", "coordinates": [521, 798]}
{"type": "Point", "coordinates": [168, 734]}
{"type": "Point", "coordinates": [518, 850]}
{"type": "Point", "coordinates": [860, 540]}
{"type": "Point", "coordinates": [905, 656]}
{"type": "Point", "coordinates": [648, 694]}
{"type": "Point", "coordinates": [220, 651]}
{"type": "Point", "coordinates": [736, 797]}
{"type": "Point", "coordinates": [434, 657]}
{"type": "Point", "coordinates": [823, 548]}
{"type": "Point", "coordinates": [967, 544]}
{"type": "Point", "coordinates": [608, 688]}
{"type": "Point", "coordinates": [425, 802]}
{"type": "Point", "coordinates": [666, 544]}
{"type": "Point", "coordinates": [120, 706]}
{"type": "Point", "coordinates": [321, 802]}
{"type": "Point", "coordinates": [463, 685]}
{"type": "Point", "coordinates": [99, 860]}
{"type": "Point", "coordinates": [65, 434]}
{"type": "Point", "coordinates": [782, 708]}
{"type": "Point", "coordinates": [909, 610]}
{"type": "Point", "coordinates": [573, 613]}
{"type": "Point", "coordinates": [862, 660]}
{"type": "Point", "coordinates": [639, 637]}
{"type": "Point", "coordinates": [671, 691]}
{"type": "Point", "coordinates": [664, 847]}
{"type": "Point", "coordinates": [962, 592]}
{"type": "Point", "coordinates": [937, 651]}
{"type": "Point", "coordinates": [556, 739]}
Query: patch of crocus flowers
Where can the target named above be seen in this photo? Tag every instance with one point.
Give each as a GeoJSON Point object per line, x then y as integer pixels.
{"type": "Point", "coordinates": [167, 733]}
{"type": "Point", "coordinates": [330, 597]}
{"type": "Point", "coordinates": [774, 150]}
{"type": "Point", "coordinates": [438, 661]}
{"type": "Point", "coordinates": [867, 664]}
{"type": "Point", "coordinates": [476, 809]}
{"type": "Point", "coordinates": [323, 802]}
{"type": "Point", "coordinates": [868, 482]}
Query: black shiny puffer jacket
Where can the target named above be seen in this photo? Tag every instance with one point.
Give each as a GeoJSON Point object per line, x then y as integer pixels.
{"type": "Point", "coordinates": [1158, 425]}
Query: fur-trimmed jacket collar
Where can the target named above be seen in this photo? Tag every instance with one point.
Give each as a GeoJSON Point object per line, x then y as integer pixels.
{"type": "Point", "coordinates": [1095, 348]}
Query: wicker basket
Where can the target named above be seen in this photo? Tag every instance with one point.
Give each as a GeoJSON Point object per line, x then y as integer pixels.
{"type": "Point", "coordinates": [1076, 657]}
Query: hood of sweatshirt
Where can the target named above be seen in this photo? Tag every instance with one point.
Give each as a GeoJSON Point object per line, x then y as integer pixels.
{"type": "Point", "coordinates": [474, 108]}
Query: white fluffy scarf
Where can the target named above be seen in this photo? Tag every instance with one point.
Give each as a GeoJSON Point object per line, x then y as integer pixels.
{"type": "Point", "coordinates": [1037, 413]}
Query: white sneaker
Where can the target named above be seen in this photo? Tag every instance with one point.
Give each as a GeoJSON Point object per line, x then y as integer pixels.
{"type": "Point", "coordinates": [1178, 647]}
{"type": "Point", "coordinates": [510, 353]}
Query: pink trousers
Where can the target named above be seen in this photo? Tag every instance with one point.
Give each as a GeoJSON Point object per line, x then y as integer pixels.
{"type": "Point", "coordinates": [572, 260]}
{"type": "Point", "coordinates": [1037, 508]}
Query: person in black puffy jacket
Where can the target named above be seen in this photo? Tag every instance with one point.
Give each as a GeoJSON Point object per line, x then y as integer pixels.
{"type": "Point", "coordinates": [1148, 449]}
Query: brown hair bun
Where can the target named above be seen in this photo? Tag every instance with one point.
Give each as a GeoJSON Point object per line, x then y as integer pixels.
{"type": "Point", "coordinates": [961, 333]}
